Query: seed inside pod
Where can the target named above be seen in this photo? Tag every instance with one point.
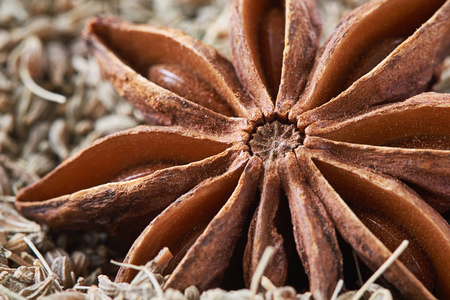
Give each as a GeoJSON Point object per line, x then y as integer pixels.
{"type": "Point", "coordinates": [392, 235]}
{"type": "Point", "coordinates": [189, 85]}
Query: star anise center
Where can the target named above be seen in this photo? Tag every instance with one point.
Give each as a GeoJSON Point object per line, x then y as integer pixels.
{"type": "Point", "coordinates": [274, 139]}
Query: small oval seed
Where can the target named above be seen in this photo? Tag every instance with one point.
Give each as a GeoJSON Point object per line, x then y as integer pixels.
{"type": "Point", "coordinates": [53, 254]}
{"type": "Point", "coordinates": [391, 235]}
{"type": "Point", "coordinates": [108, 287]}
{"type": "Point", "coordinates": [57, 55]}
{"type": "Point", "coordinates": [189, 85]}
{"type": "Point", "coordinates": [5, 188]}
{"type": "Point", "coordinates": [16, 243]}
{"type": "Point", "coordinates": [192, 293]}
{"type": "Point", "coordinates": [80, 261]}
{"type": "Point", "coordinates": [63, 268]}
{"type": "Point", "coordinates": [12, 283]}
{"type": "Point", "coordinates": [25, 275]}
{"type": "Point", "coordinates": [28, 257]}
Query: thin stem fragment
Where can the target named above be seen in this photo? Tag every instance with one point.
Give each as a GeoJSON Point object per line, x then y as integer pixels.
{"type": "Point", "coordinates": [260, 270]}
{"type": "Point", "coordinates": [28, 81]}
{"type": "Point", "coordinates": [381, 270]}
{"type": "Point", "coordinates": [338, 289]}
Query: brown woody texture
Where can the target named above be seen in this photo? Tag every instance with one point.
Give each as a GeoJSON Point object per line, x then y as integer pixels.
{"type": "Point", "coordinates": [309, 150]}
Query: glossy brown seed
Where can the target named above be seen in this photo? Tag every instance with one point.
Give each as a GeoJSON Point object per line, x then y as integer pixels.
{"type": "Point", "coordinates": [188, 84]}
{"type": "Point", "coordinates": [103, 34]}
{"type": "Point", "coordinates": [392, 235]}
{"type": "Point", "coordinates": [388, 197]}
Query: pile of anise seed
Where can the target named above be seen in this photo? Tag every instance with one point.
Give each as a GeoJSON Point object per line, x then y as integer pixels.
{"type": "Point", "coordinates": [52, 103]}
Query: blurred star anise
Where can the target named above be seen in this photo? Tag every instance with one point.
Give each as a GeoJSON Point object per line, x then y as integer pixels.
{"type": "Point", "coordinates": [309, 151]}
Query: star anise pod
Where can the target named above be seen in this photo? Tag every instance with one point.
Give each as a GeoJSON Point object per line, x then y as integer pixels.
{"type": "Point", "coordinates": [321, 149]}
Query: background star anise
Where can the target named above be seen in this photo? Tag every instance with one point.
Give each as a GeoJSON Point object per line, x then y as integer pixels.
{"type": "Point", "coordinates": [305, 141]}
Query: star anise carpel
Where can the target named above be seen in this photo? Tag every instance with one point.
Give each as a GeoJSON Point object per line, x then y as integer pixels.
{"type": "Point", "coordinates": [303, 149]}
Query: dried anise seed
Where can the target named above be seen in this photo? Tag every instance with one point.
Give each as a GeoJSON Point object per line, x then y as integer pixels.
{"type": "Point", "coordinates": [307, 150]}
{"type": "Point", "coordinates": [16, 243]}
{"type": "Point", "coordinates": [108, 287]}
{"type": "Point", "coordinates": [52, 255]}
{"type": "Point", "coordinates": [191, 293]}
{"type": "Point", "coordinates": [64, 269]}
{"type": "Point", "coordinates": [80, 262]}
{"type": "Point", "coordinates": [40, 273]}
{"type": "Point", "coordinates": [25, 275]}
{"type": "Point", "coordinates": [39, 289]}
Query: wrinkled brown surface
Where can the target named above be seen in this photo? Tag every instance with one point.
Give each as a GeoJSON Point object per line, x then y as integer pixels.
{"type": "Point", "coordinates": [201, 268]}
{"type": "Point", "coordinates": [194, 209]}
{"type": "Point", "coordinates": [163, 106]}
{"type": "Point", "coordinates": [405, 72]}
{"type": "Point", "coordinates": [313, 230]}
{"type": "Point", "coordinates": [392, 199]}
{"type": "Point", "coordinates": [263, 231]}
{"type": "Point", "coordinates": [125, 201]}
{"type": "Point", "coordinates": [366, 163]}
